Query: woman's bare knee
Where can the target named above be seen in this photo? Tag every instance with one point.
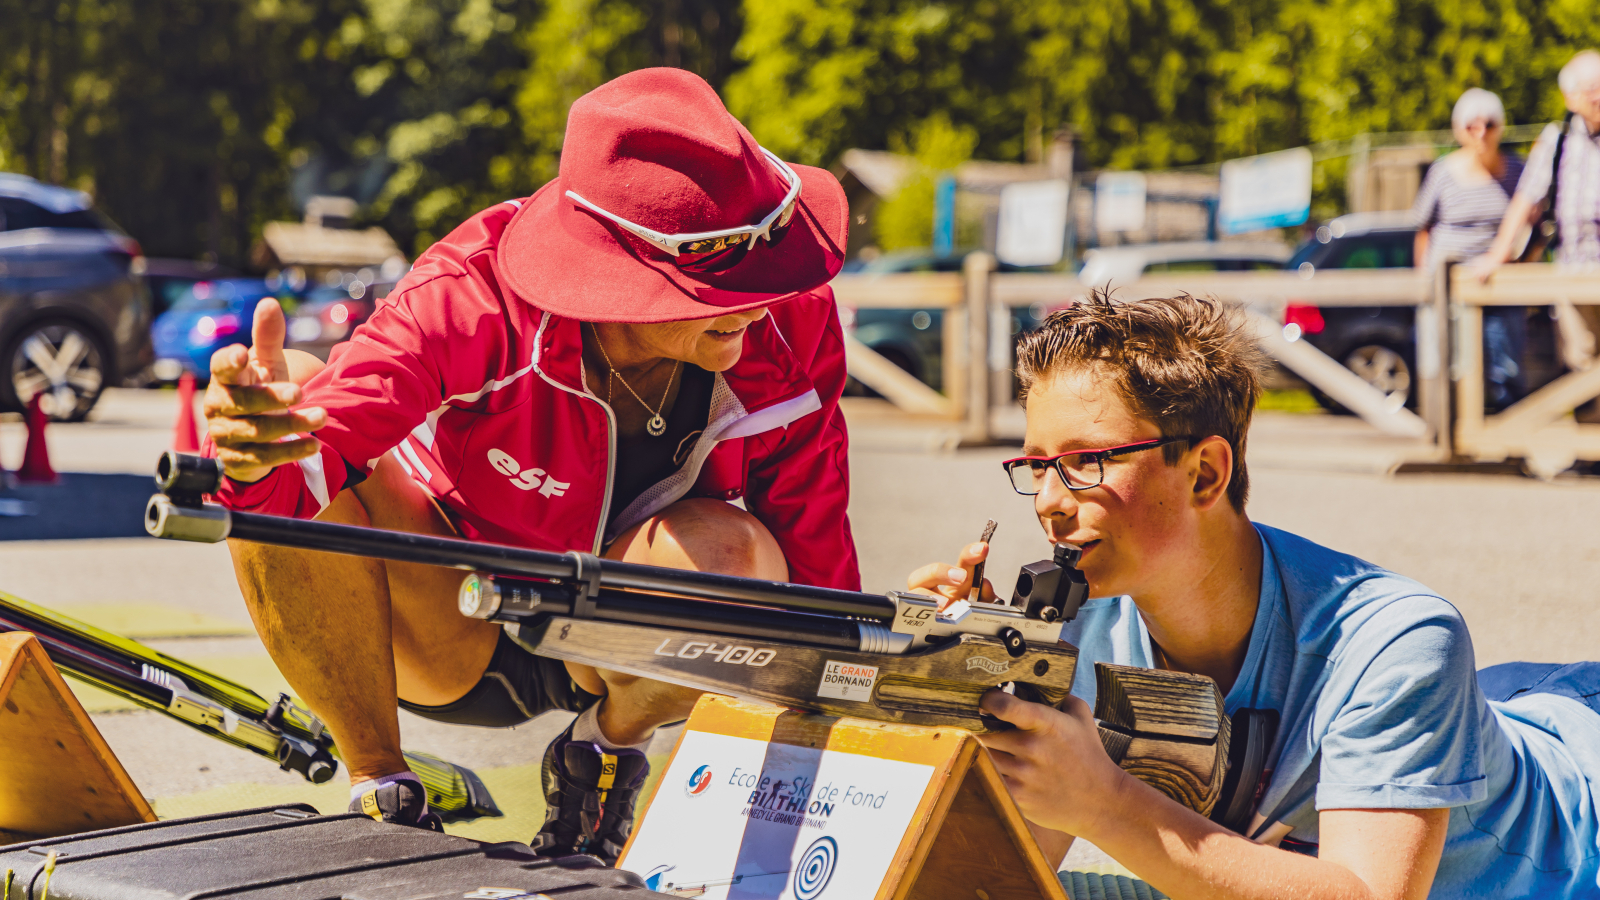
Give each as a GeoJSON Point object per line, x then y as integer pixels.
{"type": "Point", "coordinates": [704, 535]}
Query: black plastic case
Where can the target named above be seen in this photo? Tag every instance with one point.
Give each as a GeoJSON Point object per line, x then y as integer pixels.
{"type": "Point", "coordinates": [292, 853]}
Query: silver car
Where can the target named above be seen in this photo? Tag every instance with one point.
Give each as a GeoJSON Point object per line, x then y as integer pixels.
{"type": "Point", "coordinates": [1123, 264]}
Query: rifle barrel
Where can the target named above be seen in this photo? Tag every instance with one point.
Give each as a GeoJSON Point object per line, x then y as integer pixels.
{"type": "Point", "coordinates": [499, 559]}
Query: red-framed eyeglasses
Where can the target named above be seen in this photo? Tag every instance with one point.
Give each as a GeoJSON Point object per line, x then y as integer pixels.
{"type": "Point", "coordinates": [1079, 469]}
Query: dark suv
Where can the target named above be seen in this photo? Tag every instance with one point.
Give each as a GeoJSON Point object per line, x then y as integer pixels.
{"type": "Point", "coordinates": [1376, 342]}
{"type": "Point", "coordinates": [1379, 342]}
{"type": "Point", "coordinates": [74, 311]}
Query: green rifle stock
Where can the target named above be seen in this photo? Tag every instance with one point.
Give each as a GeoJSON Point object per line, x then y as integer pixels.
{"type": "Point", "coordinates": [287, 734]}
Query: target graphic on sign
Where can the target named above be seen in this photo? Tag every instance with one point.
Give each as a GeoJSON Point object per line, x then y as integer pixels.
{"type": "Point", "coordinates": [815, 869]}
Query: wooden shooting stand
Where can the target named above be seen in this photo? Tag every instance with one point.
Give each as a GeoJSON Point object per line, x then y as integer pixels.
{"type": "Point", "coordinates": [966, 839]}
{"type": "Point", "coordinates": [57, 774]}
{"type": "Point", "coordinates": [750, 784]}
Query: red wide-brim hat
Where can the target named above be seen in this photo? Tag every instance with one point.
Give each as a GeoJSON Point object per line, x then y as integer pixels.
{"type": "Point", "coordinates": [658, 148]}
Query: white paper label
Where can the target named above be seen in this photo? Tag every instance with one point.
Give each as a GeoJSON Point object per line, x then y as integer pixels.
{"type": "Point", "coordinates": [739, 819]}
{"type": "Point", "coordinates": [847, 681]}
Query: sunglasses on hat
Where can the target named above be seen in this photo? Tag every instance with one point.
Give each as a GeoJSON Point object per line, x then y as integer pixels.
{"type": "Point", "coordinates": [714, 251]}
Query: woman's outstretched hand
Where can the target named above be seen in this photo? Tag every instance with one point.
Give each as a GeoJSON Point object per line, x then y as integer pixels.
{"type": "Point", "coordinates": [247, 403]}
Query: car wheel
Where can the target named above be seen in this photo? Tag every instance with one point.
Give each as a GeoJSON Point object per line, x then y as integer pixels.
{"type": "Point", "coordinates": [60, 362]}
{"type": "Point", "coordinates": [1384, 366]}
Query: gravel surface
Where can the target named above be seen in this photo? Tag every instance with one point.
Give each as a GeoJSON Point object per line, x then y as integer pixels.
{"type": "Point", "coordinates": [1519, 558]}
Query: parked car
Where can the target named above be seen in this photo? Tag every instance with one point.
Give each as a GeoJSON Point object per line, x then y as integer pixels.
{"type": "Point", "coordinates": [329, 314]}
{"type": "Point", "coordinates": [206, 317]}
{"type": "Point", "coordinates": [74, 309]}
{"type": "Point", "coordinates": [1379, 343]}
{"type": "Point", "coordinates": [912, 339]}
{"type": "Point", "coordinates": [169, 278]}
{"type": "Point", "coordinates": [1119, 265]}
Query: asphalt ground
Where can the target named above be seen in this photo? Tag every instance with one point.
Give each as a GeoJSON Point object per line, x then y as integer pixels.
{"type": "Point", "coordinates": [1519, 557]}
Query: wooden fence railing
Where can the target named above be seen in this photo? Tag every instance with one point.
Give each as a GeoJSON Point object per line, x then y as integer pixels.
{"type": "Point", "coordinates": [978, 347]}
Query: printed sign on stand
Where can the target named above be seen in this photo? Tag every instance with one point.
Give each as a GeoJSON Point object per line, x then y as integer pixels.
{"type": "Point", "coordinates": [773, 820]}
{"type": "Point", "coordinates": [760, 802]}
{"type": "Point", "coordinates": [1268, 191]}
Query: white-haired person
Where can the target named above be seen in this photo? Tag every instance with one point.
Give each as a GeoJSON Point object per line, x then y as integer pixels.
{"type": "Point", "coordinates": [1458, 213]}
{"type": "Point", "coordinates": [1563, 177]}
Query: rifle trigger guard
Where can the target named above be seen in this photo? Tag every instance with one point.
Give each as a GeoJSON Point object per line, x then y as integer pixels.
{"type": "Point", "coordinates": [586, 583]}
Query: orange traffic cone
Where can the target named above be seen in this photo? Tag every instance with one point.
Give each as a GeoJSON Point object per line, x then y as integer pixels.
{"type": "Point", "coordinates": [36, 458]}
{"type": "Point", "coordinates": [184, 437]}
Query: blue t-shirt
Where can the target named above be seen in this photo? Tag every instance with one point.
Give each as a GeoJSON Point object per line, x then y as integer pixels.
{"type": "Point", "coordinates": [1374, 680]}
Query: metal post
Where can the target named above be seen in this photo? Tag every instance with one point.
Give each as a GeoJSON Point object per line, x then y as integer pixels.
{"type": "Point", "coordinates": [976, 268]}
{"type": "Point", "coordinates": [944, 216]}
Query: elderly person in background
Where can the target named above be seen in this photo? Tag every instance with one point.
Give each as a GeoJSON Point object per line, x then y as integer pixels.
{"type": "Point", "coordinates": [1563, 177]}
{"type": "Point", "coordinates": [1458, 212]}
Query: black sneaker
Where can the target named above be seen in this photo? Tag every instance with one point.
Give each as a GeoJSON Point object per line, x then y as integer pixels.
{"type": "Point", "coordinates": [589, 794]}
{"type": "Point", "coordinates": [398, 803]}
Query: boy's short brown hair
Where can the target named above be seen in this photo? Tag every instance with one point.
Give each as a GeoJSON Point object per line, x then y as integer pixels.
{"type": "Point", "coordinates": [1185, 363]}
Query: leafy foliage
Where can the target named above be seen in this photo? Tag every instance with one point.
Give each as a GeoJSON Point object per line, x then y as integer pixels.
{"type": "Point", "coordinates": [196, 122]}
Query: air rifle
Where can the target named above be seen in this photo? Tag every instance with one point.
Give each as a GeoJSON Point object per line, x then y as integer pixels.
{"type": "Point", "coordinates": [280, 730]}
{"type": "Point", "coordinates": [889, 657]}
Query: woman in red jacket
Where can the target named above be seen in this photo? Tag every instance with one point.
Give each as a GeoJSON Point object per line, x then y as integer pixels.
{"type": "Point", "coordinates": [603, 367]}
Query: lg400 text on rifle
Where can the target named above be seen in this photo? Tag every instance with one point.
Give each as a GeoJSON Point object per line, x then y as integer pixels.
{"type": "Point", "coordinates": [891, 657]}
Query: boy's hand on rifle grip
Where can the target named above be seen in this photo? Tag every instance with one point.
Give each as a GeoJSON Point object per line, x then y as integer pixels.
{"type": "Point", "coordinates": [1053, 762]}
{"type": "Point", "coordinates": [951, 583]}
{"type": "Point", "coordinates": [247, 403]}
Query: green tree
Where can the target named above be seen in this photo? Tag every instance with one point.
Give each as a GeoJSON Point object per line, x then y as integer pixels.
{"type": "Point", "coordinates": [821, 76]}
{"type": "Point", "coordinates": [905, 220]}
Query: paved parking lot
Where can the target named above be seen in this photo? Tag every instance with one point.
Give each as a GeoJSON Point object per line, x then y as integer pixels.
{"type": "Point", "coordinates": [1519, 557]}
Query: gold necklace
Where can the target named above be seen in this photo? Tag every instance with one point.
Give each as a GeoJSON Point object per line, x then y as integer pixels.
{"type": "Point", "coordinates": [656, 425]}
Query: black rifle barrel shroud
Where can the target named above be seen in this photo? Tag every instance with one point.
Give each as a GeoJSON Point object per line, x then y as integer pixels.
{"type": "Point", "coordinates": [498, 559]}
{"type": "Point", "coordinates": [732, 619]}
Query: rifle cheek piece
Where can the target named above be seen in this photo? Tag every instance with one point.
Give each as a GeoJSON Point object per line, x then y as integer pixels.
{"type": "Point", "coordinates": [207, 523]}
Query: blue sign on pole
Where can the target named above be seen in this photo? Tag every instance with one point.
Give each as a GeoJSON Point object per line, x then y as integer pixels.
{"type": "Point", "coordinates": [944, 216]}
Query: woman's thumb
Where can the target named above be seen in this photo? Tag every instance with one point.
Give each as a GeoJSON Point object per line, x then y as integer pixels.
{"type": "Point", "coordinates": [267, 332]}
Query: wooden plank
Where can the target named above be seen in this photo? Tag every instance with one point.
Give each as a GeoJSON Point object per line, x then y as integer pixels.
{"type": "Point", "coordinates": [1526, 284]}
{"type": "Point", "coordinates": [1167, 729]}
{"type": "Point", "coordinates": [933, 810]}
{"type": "Point", "coordinates": [1329, 287]}
{"type": "Point", "coordinates": [982, 845]}
{"type": "Point", "coordinates": [1432, 356]}
{"type": "Point", "coordinates": [1545, 405]}
{"type": "Point", "coordinates": [1466, 372]}
{"type": "Point", "coordinates": [955, 361]}
{"type": "Point", "coordinates": [911, 290]}
{"type": "Point", "coordinates": [896, 384]}
{"type": "Point", "coordinates": [977, 270]}
{"type": "Point", "coordinates": [1338, 382]}
{"type": "Point", "coordinates": [57, 774]}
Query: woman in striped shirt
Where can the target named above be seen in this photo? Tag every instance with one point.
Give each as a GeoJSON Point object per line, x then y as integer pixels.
{"type": "Point", "coordinates": [1457, 214]}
